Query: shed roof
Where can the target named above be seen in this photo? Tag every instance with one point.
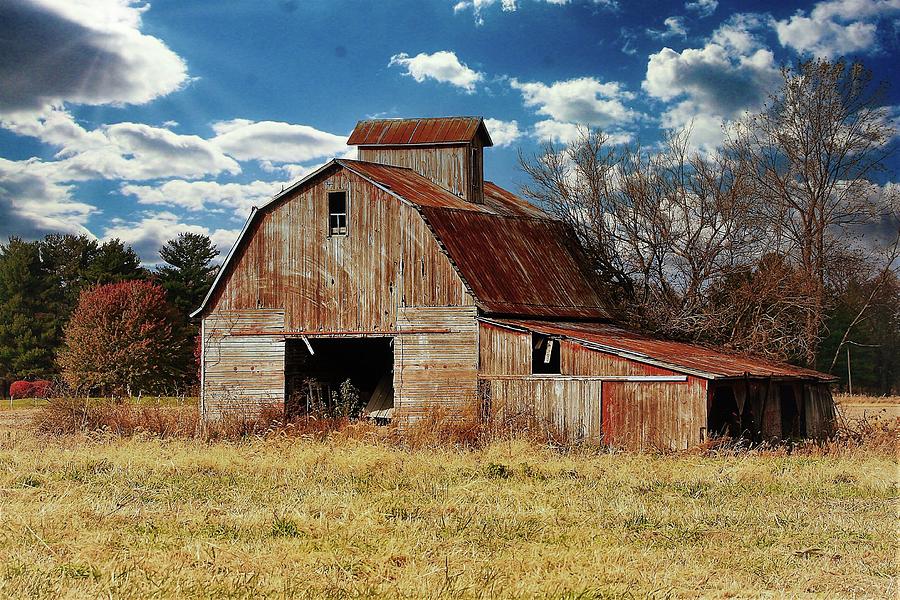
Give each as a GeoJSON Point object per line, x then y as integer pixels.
{"type": "Point", "coordinates": [709, 363]}
{"type": "Point", "coordinates": [427, 131]}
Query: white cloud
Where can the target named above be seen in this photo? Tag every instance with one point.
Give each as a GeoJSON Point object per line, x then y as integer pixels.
{"type": "Point", "coordinates": [836, 27]}
{"type": "Point", "coordinates": [442, 66]}
{"type": "Point", "coordinates": [152, 230]}
{"type": "Point", "coordinates": [118, 151]}
{"type": "Point", "coordinates": [275, 141]}
{"type": "Point", "coordinates": [732, 73]}
{"type": "Point", "coordinates": [565, 133]}
{"type": "Point", "coordinates": [83, 52]}
{"type": "Point", "coordinates": [503, 133]}
{"type": "Point", "coordinates": [703, 8]}
{"type": "Point", "coordinates": [32, 206]}
{"type": "Point", "coordinates": [478, 6]}
{"type": "Point", "coordinates": [204, 195]}
{"type": "Point", "coordinates": [674, 28]}
{"type": "Point", "coordinates": [584, 100]}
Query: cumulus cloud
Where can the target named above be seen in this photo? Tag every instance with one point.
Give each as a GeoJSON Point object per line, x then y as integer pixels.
{"type": "Point", "coordinates": [503, 133]}
{"type": "Point", "coordinates": [80, 51]}
{"type": "Point", "coordinates": [836, 27]}
{"type": "Point", "coordinates": [703, 8]}
{"type": "Point", "coordinates": [584, 100]}
{"type": "Point", "coordinates": [32, 206]}
{"type": "Point", "coordinates": [204, 195]}
{"type": "Point", "coordinates": [674, 28]}
{"type": "Point", "coordinates": [442, 66]}
{"type": "Point", "coordinates": [730, 74]}
{"type": "Point", "coordinates": [565, 133]}
{"type": "Point", "coordinates": [275, 141]}
{"type": "Point", "coordinates": [118, 151]}
{"type": "Point", "coordinates": [151, 231]}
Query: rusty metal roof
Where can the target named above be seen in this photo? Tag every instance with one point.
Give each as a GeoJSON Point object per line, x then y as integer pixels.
{"type": "Point", "coordinates": [430, 131]}
{"type": "Point", "coordinates": [515, 258]}
{"type": "Point", "coordinates": [709, 363]}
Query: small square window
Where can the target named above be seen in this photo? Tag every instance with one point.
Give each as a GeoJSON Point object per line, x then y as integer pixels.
{"type": "Point", "coordinates": [544, 355]}
{"type": "Point", "coordinates": [337, 213]}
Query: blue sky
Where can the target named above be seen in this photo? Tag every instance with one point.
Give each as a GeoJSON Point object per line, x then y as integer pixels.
{"type": "Point", "coordinates": [140, 120]}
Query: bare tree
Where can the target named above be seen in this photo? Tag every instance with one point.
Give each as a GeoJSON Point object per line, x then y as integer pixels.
{"type": "Point", "coordinates": [662, 227]}
{"type": "Point", "coordinates": [810, 156]}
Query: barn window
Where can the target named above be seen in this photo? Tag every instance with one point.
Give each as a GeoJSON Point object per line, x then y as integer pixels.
{"type": "Point", "coordinates": [544, 355]}
{"type": "Point", "coordinates": [337, 213]}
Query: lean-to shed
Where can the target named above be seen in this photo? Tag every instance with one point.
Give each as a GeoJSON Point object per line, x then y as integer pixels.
{"type": "Point", "coordinates": [407, 274]}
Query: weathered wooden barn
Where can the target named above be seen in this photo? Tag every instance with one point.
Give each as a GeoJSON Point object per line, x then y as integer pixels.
{"type": "Point", "coordinates": [408, 274]}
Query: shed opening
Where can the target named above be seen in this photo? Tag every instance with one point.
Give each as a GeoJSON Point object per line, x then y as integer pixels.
{"type": "Point", "coordinates": [730, 409]}
{"type": "Point", "coordinates": [339, 377]}
{"type": "Point", "coordinates": [544, 355]}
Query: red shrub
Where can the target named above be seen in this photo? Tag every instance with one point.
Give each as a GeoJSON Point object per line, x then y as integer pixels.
{"type": "Point", "coordinates": [40, 388]}
{"type": "Point", "coordinates": [21, 389]}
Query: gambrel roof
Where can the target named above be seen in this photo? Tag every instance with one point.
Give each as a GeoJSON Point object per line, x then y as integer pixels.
{"type": "Point", "coordinates": [514, 258]}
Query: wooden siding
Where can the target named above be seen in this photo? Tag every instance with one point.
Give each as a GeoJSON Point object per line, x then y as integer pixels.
{"type": "Point", "coordinates": [576, 359]}
{"type": "Point", "coordinates": [503, 351]}
{"type": "Point", "coordinates": [242, 374]}
{"type": "Point", "coordinates": [355, 282]}
{"type": "Point", "coordinates": [571, 406]}
{"type": "Point", "coordinates": [435, 369]}
{"type": "Point", "coordinates": [643, 415]}
{"type": "Point", "coordinates": [447, 166]}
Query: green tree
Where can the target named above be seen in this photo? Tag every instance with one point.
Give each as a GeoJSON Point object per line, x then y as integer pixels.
{"type": "Point", "coordinates": [114, 262]}
{"type": "Point", "coordinates": [188, 272]}
{"type": "Point", "coordinates": [27, 327]}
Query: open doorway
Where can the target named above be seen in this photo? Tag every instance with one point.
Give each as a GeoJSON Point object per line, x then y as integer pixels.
{"type": "Point", "coordinates": [793, 421]}
{"type": "Point", "coordinates": [339, 377]}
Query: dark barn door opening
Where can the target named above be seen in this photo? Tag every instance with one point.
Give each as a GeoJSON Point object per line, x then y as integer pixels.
{"type": "Point", "coordinates": [340, 377]}
{"type": "Point", "coordinates": [731, 415]}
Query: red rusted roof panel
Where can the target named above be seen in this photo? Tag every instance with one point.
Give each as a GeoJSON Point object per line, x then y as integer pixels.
{"type": "Point", "coordinates": [443, 130]}
{"type": "Point", "coordinates": [713, 361]}
{"type": "Point", "coordinates": [517, 265]}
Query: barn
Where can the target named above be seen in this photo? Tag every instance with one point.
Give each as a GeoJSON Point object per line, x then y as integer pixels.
{"type": "Point", "coordinates": [409, 275]}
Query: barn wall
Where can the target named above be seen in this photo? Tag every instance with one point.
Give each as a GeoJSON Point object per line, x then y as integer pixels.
{"type": "Point", "coordinates": [448, 166]}
{"type": "Point", "coordinates": [436, 368]}
{"type": "Point", "coordinates": [643, 415]}
{"type": "Point", "coordinates": [571, 406]}
{"type": "Point", "coordinates": [242, 374]}
{"type": "Point", "coordinates": [342, 283]}
{"type": "Point", "coordinates": [575, 359]}
{"type": "Point", "coordinates": [503, 351]}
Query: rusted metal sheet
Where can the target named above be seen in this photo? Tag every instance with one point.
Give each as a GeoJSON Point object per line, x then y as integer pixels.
{"type": "Point", "coordinates": [438, 130]}
{"type": "Point", "coordinates": [504, 202]}
{"type": "Point", "coordinates": [703, 361]}
{"type": "Point", "coordinates": [241, 374]}
{"type": "Point", "coordinates": [432, 370]}
{"type": "Point", "coordinates": [663, 415]}
{"type": "Point", "coordinates": [518, 266]}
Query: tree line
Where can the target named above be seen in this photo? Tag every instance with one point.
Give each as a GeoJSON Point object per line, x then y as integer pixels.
{"type": "Point", "coordinates": [762, 245]}
{"type": "Point", "coordinates": [69, 302]}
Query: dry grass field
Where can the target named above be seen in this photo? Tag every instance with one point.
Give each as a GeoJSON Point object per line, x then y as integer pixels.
{"type": "Point", "coordinates": [353, 515]}
{"type": "Point", "coordinates": [858, 407]}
